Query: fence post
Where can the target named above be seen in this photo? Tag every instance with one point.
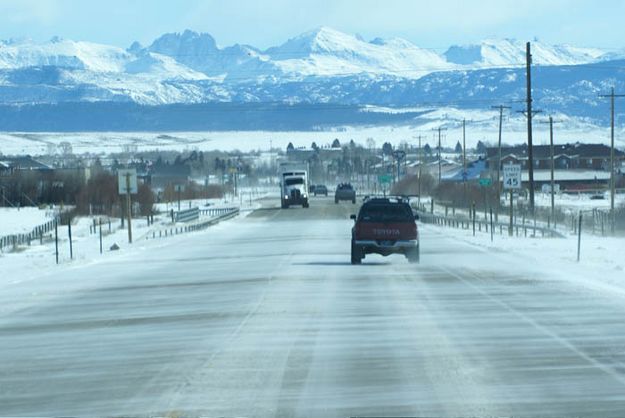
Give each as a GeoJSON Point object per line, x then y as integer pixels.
{"type": "Point", "coordinates": [491, 225]}
{"type": "Point", "coordinates": [510, 230]}
{"type": "Point", "coordinates": [56, 240]}
{"type": "Point", "coordinates": [579, 236]}
{"type": "Point", "coordinates": [473, 216]}
{"type": "Point", "coordinates": [69, 233]}
{"type": "Point", "coordinates": [100, 235]}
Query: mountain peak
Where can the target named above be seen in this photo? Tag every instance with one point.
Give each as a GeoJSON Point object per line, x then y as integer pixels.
{"type": "Point", "coordinates": [170, 43]}
{"type": "Point", "coordinates": [321, 40]}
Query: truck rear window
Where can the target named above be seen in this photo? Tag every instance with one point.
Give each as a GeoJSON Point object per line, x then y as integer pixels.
{"type": "Point", "coordinates": [385, 213]}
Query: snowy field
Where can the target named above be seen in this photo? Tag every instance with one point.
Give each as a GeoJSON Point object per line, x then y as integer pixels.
{"type": "Point", "coordinates": [601, 266]}
{"type": "Point", "coordinates": [481, 126]}
{"type": "Point", "coordinates": [23, 220]}
{"type": "Point", "coordinates": [576, 202]}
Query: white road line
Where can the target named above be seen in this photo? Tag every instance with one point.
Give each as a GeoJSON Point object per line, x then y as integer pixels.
{"type": "Point", "coordinates": [614, 374]}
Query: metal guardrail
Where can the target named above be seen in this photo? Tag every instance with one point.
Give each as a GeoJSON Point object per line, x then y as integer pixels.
{"type": "Point", "coordinates": [482, 225]}
{"type": "Point", "coordinates": [187, 215]}
{"type": "Point", "coordinates": [217, 211]}
{"type": "Point", "coordinates": [221, 214]}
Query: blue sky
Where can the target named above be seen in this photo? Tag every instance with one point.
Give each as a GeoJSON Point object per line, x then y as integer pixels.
{"type": "Point", "coordinates": [430, 24]}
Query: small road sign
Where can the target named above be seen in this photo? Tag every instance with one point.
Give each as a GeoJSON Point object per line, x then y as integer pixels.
{"type": "Point", "coordinates": [179, 188]}
{"type": "Point", "coordinates": [127, 178]}
{"type": "Point", "coordinates": [399, 154]}
{"type": "Point", "coordinates": [485, 182]}
{"type": "Point", "coordinates": [512, 176]}
{"type": "Point", "coordinates": [385, 178]}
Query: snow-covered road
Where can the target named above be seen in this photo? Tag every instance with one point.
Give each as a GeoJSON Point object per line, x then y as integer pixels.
{"type": "Point", "coordinates": [264, 316]}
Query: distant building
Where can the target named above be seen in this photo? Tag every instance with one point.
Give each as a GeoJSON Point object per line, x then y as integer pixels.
{"type": "Point", "coordinates": [162, 175]}
{"type": "Point", "coordinates": [9, 165]}
{"type": "Point", "coordinates": [475, 170]}
{"type": "Point", "coordinates": [566, 157]}
{"type": "Point", "coordinates": [577, 166]}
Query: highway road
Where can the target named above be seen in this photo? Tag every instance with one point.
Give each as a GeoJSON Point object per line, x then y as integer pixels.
{"type": "Point", "coordinates": [265, 317]}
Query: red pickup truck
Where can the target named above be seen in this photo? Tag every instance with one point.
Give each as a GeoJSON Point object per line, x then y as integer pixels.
{"type": "Point", "coordinates": [385, 226]}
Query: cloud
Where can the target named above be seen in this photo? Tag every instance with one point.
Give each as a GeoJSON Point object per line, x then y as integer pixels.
{"type": "Point", "coordinates": [42, 12]}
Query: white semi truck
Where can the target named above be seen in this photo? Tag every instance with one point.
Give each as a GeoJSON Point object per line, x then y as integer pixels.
{"type": "Point", "coordinates": [293, 186]}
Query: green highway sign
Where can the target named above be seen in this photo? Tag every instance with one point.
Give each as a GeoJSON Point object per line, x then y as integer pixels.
{"type": "Point", "coordinates": [486, 182]}
{"type": "Point", "coordinates": [385, 178]}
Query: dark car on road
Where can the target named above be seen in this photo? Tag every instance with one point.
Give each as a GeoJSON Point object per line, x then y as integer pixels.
{"type": "Point", "coordinates": [385, 226]}
{"type": "Point", "coordinates": [320, 189]}
{"type": "Point", "coordinates": [345, 191]}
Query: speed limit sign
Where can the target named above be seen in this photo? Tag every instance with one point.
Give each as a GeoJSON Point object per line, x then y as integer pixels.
{"type": "Point", "coordinates": [512, 176]}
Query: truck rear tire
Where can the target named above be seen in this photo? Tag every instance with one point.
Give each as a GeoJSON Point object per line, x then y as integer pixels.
{"type": "Point", "coordinates": [413, 255]}
{"type": "Point", "coordinates": [306, 205]}
{"type": "Point", "coordinates": [357, 254]}
{"type": "Point", "coordinates": [336, 201]}
{"type": "Point", "coordinates": [354, 201]}
{"type": "Point", "coordinates": [285, 205]}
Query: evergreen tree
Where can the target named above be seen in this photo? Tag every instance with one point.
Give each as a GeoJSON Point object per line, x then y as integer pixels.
{"type": "Point", "coordinates": [458, 148]}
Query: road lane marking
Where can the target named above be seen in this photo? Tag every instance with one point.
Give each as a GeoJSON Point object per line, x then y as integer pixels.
{"type": "Point", "coordinates": [539, 327]}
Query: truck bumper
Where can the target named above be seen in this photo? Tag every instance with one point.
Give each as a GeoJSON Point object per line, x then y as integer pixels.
{"type": "Point", "coordinates": [386, 247]}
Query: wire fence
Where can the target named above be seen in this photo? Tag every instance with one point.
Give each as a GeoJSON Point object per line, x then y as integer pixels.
{"type": "Point", "coordinates": [11, 242]}
{"type": "Point", "coordinates": [489, 225]}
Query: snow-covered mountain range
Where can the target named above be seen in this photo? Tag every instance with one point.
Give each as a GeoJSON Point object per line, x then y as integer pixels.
{"type": "Point", "coordinates": [321, 52]}
{"type": "Point", "coordinates": [322, 65]}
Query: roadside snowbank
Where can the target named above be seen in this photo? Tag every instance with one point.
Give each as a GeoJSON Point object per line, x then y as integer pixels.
{"type": "Point", "coordinates": [601, 267]}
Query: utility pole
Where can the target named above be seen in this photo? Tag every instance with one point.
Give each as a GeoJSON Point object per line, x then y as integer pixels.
{"type": "Point", "coordinates": [501, 108]}
{"type": "Point", "coordinates": [551, 152]}
{"type": "Point", "coordinates": [464, 150]}
{"type": "Point", "coordinates": [464, 162]}
{"type": "Point", "coordinates": [612, 96]}
{"type": "Point", "coordinates": [530, 151]}
{"type": "Point", "coordinates": [420, 164]}
{"type": "Point", "coordinates": [129, 208]}
{"type": "Point", "coordinates": [439, 152]}
{"type": "Point", "coordinates": [553, 204]}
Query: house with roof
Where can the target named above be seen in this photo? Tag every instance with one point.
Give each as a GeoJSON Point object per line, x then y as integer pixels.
{"type": "Point", "coordinates": [475, 170]}
{"type": "Point", "coordinates": [162, 175]}
{"type": "Point", "coordinates": [9, 165]}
